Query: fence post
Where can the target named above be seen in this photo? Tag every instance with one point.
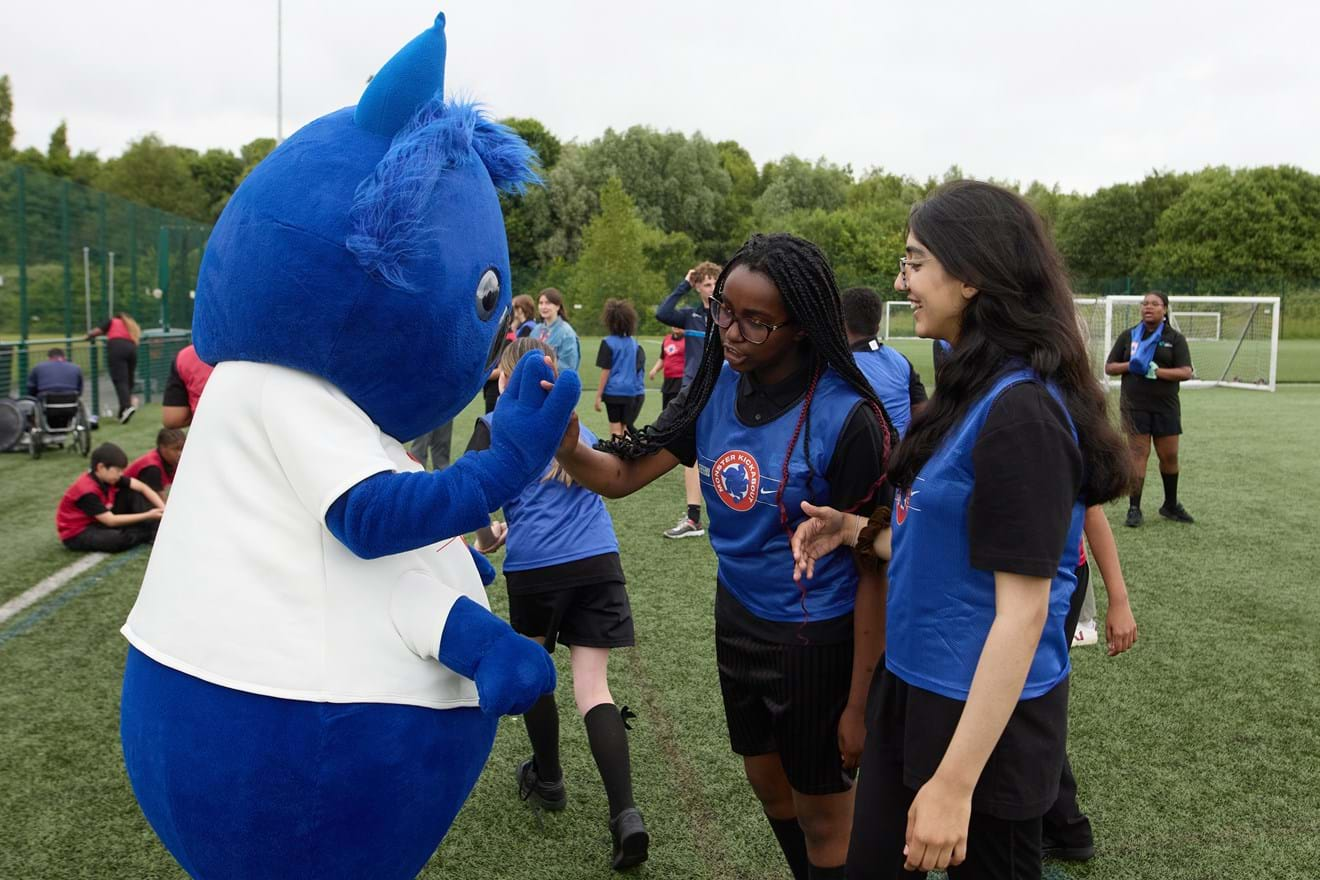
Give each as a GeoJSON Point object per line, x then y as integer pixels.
{"type": "Point", "coordinates": [133, 260]}
{"type": "Point", "coordinates": [163, 276]}
{"type": "Point", "coordinates": [21, 219]}
{"type": "Point", "coordinates": [100, 233]}
{"type": "Point", "coordinates": [68, 270]}
{"type": "Point", "coordinates": [145, 348]}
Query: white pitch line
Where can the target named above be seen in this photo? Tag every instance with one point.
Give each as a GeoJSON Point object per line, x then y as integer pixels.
{"type": "Point", "coordinates": [49, 585]}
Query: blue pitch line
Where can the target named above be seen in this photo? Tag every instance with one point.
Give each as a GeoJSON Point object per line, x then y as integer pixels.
{"type": "Point", "coordinates": [67, 595]}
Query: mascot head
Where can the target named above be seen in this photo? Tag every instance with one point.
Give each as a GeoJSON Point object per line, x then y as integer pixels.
{"type": "Point", "coordinates": [369, 249]}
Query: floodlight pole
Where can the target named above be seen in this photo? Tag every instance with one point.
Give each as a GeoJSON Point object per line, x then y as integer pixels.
{"type": "Point", "coordinates": [279, 71]}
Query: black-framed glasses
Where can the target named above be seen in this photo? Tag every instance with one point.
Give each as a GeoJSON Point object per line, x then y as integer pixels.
{"type": "Point", "coordinates": [752, 330]}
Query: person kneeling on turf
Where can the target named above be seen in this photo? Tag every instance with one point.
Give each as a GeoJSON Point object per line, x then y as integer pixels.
{"type": "Point", "coordinates": [156, 468]}
{"type": "Point", "coordinates": [106, 510]}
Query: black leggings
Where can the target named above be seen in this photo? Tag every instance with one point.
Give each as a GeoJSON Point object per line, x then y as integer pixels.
{"type": "Point", "coordinates": [121, 358]}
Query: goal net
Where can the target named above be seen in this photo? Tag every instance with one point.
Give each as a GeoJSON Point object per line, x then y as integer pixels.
{"type": "Point", "coordinates": [1234, 340]}
{"type": "Point", "coordinates": [898, 320]}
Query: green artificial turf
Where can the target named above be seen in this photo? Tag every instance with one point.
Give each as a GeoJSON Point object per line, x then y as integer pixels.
{"type": "Point", "coordinates": [1197, 753]}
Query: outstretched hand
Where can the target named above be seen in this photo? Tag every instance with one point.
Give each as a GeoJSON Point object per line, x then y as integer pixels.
{"type": "Point", "coordinates": [822, 532]}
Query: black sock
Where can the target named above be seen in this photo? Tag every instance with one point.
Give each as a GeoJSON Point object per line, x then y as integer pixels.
{"type": "Point", "coordinates": [609, 746]}
{"type": "Point", "coordinates": [1134, 500]}
{"type": "Point", "coordinates": [817, 873]}
{"type": "Point", "coordinates": [793, 842]}
{"type": "Point", "coordinates": [694, 513]}
{"type": "Point", "coordinates": [1170, 490]}
{"type": "Point", "coordinates": [543, 730]}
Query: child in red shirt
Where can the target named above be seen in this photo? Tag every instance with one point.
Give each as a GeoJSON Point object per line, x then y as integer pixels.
{"type": "Point", "coordinates": [96, 512]}
{"type": "Point", "coordinates": [672, 351]}
{"type": "Point", "coordinates": [156, 468]}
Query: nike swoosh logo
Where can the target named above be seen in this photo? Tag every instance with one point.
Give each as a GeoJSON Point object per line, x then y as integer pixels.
{"type": "Point", "coordinates": [769, 491]}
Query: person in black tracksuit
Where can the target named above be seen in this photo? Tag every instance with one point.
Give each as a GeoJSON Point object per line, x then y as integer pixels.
{"type": "Point", "coordinates": [1153, 360]}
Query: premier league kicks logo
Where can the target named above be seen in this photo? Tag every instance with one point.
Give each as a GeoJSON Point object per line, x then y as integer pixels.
{"type": "Point", "coordinates": [737, 479]}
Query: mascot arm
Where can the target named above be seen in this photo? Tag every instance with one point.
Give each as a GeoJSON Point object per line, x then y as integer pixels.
{"type": "Point", "coordinates": [394, 512]}
{"type": "Point", "coordinates": [511, 672]}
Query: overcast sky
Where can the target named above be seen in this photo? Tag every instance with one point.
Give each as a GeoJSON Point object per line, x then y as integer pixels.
{"type": "Point", "coordinates": [1082, 94]}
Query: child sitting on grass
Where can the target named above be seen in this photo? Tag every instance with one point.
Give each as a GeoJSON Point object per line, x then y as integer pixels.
{"type": "Point", "coordinates": [104, 511]}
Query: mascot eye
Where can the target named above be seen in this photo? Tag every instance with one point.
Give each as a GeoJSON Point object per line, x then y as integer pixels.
{"type": "Point", "coordinates": [488, 294]}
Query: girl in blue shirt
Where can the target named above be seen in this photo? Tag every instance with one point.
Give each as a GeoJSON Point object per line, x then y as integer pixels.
{"type": "Point", "coordinates": [966, 723]}
{"type": "Point", "coordinates": [622, 367]}
{"type": "Point", "coordinates": [555, 331]}
{"type": "Point", "coordinates": [777, 414]}
{"type": "Point", "coordinates": [570, 591]}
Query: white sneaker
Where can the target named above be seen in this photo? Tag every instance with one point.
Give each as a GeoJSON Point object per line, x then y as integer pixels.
{"type": "Point", "coordinates": [686, 528]}
{"type": "Point", "coordinates": [1087, 634]}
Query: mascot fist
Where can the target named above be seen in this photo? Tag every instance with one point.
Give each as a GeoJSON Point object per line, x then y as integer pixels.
{"type": "Point", "coordinates": [511, 671]}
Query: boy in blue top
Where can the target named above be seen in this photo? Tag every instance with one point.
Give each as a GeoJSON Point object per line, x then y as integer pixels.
{"type": "Point", "coordinates": [622, 367]}
{"type": "Point", "coordinates": [693, 322]}
{"type": "Point", "coordinates": [789, 418]}
{"type": "Point", "coordinates": [966, 722]}
{"type": "Point", "coordinates": [896, 382]}
{"type": "Point", "coordinates": [573, 592]}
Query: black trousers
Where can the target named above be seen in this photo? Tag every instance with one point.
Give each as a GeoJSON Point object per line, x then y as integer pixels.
{"type": "Point", "coordinates": [436, 444]}
{"type": "Point", "coordinates": [97, 538]}
{"type": "Point", "coordinates": [121, 357]}
{"type": "Point", "coordinates": [1065, 824]}
{"type": "Point", "coordinates": [996, 848]}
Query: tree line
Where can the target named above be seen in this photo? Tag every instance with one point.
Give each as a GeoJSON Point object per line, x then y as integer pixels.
{"type": "Point", "coordinates": [627, 213]}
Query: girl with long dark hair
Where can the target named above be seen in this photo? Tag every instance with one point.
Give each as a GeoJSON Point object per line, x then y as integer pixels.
{"type": "Point", "coordinates": [789, 418]}
{"type": "Point", "coordinates": [966, 722]}
{"type": "Point", "coordinates": [122, 335]}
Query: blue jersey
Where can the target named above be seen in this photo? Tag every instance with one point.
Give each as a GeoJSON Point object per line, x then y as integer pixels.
{"type": "Point", "coordinates": [940, 608]}
{"type": "Point", "coordinates": [890, 375]}
{"type": "Point", "coordinates": [551, 523]}
{"type": "Point", "coordinates": [741, 468]}
{"type": "Point", "coordinates": [624, 379]}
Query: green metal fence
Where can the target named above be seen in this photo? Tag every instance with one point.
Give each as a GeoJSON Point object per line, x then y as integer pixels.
{"type": "Point", "coordinates": [71, 256]}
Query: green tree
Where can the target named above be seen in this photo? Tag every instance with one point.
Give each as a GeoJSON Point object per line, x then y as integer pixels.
{"type": "Point", "coordinates": [59, 161]}
{"type": "Point", "coordinates": [251, 155]}
{"type": "Point", "coordinates": [6, 118]}
{"type": "Point", "coordinates": [613, 261]}
{"type": "Point", "coordinates": [1250, 223]}
{"type": "Point", "coordinates": [793, 184]}
{"type": "Point", "coordinates": [529, 219]}
{"type": "Point", "coordinates": [217, 173]}
{"type": "Point", "coordinates": [157, 174]}
{"type": "Point", "coordinates": [1103, 236]}
{"type": "Point", "coordinates": [538, 137]}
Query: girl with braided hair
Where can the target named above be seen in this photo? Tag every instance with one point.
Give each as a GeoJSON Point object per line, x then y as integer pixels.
{"type": "Point", "coordinates": [967, 720]}
{"type": "Point", "coordinates": [788, 419]}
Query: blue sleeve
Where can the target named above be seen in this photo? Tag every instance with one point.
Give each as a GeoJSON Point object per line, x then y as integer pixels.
{"type": "Point", "coordinates": [568, 351]}
{"type": "Point", "coordinates": [668, 312]}
{"type": "Point", "coordinates": [32, 382]}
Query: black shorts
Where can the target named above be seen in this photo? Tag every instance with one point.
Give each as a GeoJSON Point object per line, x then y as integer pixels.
{"type": "Point", "coordinates": [787, 699]}
{"type": "Point", "coordinates": [619, 409]}
{"type": "Point", "coordinates": [1157, 424]}
{"type": "Point", "coordinates": [590, 616]}
{"type": "Point", "coordinates": [1083, 573]}
{"type": "Point", "coordinates": [669, 390]}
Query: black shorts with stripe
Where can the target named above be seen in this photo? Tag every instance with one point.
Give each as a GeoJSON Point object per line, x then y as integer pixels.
{"type": "Point", "coordinates": [785, 698]}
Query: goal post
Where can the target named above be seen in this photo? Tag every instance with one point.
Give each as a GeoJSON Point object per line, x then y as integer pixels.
{"type": "Point", "coordinates": [898, 323]}
{"type": "Point", "coordinates": [1234, 340]}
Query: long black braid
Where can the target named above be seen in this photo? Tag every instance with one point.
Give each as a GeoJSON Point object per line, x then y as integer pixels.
{"type": "Point", "coordinates": [811, 296]}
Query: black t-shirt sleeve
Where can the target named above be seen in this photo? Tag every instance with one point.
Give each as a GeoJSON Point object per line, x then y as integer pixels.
{"type": "Point", "coordinates": [604, 357]}
{"type": "Point", "coordinates": [1182, 355]}
{"type": "Point", "coordinates": [176, 393]}
{"type": "Point", "coordinates": [1122, 350]}
{"type": "Point", "coordinates": [152, 477]}
{"type": "Point", "coordinates": [857, 463]}
{"type": "Point", "coordinates": [684, 446]}
{"type": "Point", "coordinates": [916, 390]}
{"type": "Point", "coordinates": [1028, 476]}
{"type": "Point", "coordinates": [480, 437]}
{"type": "Point", "coordinates": [641, 358]}
{"type": "Point", "coordinates": [91, 504]}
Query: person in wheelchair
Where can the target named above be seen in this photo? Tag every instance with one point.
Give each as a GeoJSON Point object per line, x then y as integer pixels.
{"type": "Point", "coordinates": [105, 510]}
{"type": "Point", "coordinates": [55, 378]}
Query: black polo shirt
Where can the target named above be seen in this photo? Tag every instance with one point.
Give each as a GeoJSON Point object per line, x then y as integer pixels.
{"type": "Point", "coordinates": [1152, 395]}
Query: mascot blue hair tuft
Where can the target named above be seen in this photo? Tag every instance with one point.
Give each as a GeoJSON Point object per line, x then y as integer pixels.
{"type": "Point", "coordinates": [314, 675]}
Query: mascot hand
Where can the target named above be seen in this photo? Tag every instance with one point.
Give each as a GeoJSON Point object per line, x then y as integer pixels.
{"type": "Point", "coordinates": [511, 671]}
{"type": "Point", "coordinates": [528, 423]}
{"type": "Point", "coordinates": [484, 568]}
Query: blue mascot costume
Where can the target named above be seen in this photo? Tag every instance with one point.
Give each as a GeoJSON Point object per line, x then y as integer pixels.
{"type": "Point", "coordinates": [315, 677]}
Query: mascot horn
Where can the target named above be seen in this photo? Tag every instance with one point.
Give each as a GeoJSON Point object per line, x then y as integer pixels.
{"type": "Point", "coordinates": [314, 676]}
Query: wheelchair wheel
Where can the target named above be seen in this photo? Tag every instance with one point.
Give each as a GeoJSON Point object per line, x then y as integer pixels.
{"type": "Point", "coordinates": [36, 442]}
{"type": "Point", "coordinates": [82, 434]}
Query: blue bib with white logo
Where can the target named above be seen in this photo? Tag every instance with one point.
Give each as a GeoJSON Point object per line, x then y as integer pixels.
{"type": "Point", "coordinates": [890, 375]}
{"type": "Point", "coordinates": [940, 608]}
{"type": "Point", "coordinates": [741, 469]}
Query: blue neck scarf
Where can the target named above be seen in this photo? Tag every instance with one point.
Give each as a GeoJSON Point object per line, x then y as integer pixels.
{"type": "Point", "coordinates": [1143, 347]}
